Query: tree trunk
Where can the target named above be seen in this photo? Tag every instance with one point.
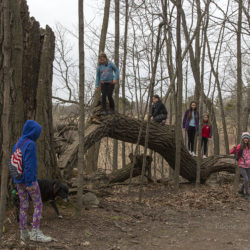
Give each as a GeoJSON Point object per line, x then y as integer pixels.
{"type": "Point", "coordinates": [161, 140]}
{"type": "Point", "coordinates": [124, 75]}
{"type": "Point", "coordinates": [247, 108]}
{"type": "Point", "coordinates": [7, 75]}
{"type": "Point", "coordinates": [178, 130]}
{"type": "Point", "coordinates": [46, 154]}
{"type": "Point", "coordinates": [32, 51]}
{"type": "Point", "coordinates": [117, 38]}
{"type": "Point", "coordinates": [81, 129]}
{"type": "Point", "coordinates": [124, 173]}
{"type": "Point", "coordinates": [93, 152]}
{"type": "Point", "coordinates": [239, 86]}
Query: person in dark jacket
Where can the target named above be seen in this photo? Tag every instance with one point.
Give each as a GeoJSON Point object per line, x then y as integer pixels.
{"type": "Point", "coordinates": [106, 78]}
{"type": "Point", "coordinates": [27, 185]}
{"type": "Point", "coordinates": [191, 125]}
{"type": "Point", "coordinates": [159, 111]}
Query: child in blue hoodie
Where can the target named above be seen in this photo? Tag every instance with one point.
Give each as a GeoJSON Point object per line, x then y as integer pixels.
{"type": "Point", "coordinates": [106, 78]}
{"type": "Point", "coordinates": [27, 185]}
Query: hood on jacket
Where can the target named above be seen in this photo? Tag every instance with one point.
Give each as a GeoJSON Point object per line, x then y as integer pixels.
{"type": "Point", "coordinates": [31, 130]}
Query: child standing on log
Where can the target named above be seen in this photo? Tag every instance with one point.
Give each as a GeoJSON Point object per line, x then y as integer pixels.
{"type": "Point", "coordinates": [27, 185]}
{"type": "Point", "coordinates": [106, 79]}
{"type": "Point", "coordinates": [206, 134]}
{"type": "Point", "coordinates": [159, 111]}
{"type": "Point", "coordinates": [242, 152]}
{"type": "Point", "coordinates": [191, 125]}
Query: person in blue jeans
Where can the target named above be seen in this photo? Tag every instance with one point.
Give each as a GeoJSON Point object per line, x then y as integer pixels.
{"type": "Point", "coordinates": [106, 76]}
{"type": "Point", "coordinates": [191, 125]}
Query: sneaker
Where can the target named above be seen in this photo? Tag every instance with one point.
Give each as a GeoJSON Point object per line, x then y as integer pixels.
{"type": "Point", "coordinates": [241, 193]}
{"type": "Point", "coordinates": [104, 112]}
{"type": "Point", "coordinates": [189, 152]}
{"type": "Point", "coordinates": [193, 154]}
{"type": "Point", "coordinates": [37, 235]}
{"type": "Point", "coordinates": [24, 234]}
{"type": "Point", "coordinates": [204, 156]}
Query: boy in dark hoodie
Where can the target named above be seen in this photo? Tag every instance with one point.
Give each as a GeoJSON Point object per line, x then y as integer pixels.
{"type": "Point", "coordinates": [159, 111]}
{"type": "Point", "coordinates": [27, 185]}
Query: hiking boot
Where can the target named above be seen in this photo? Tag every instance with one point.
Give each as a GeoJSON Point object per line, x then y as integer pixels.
{"type": "Point", "coordinates": [24, 234]}
{"type": "Point", "coordinates": [241, 193]}
{"type": "Point", "coordinates": [37, 235]}
{"type": "Point", "coordinates": [104, 112]}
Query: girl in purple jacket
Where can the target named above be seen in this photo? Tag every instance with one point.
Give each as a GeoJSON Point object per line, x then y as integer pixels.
{"type": "Point", "coordinates": [191, 125]}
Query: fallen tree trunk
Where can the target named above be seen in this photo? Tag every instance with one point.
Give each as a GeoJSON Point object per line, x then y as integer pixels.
{"type": "Point", "coordinates": [161, 140]}
{"type": "Point", "coordinates": [123, 174]}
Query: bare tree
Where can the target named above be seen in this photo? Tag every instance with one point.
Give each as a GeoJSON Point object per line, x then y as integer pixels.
{"type": "Point", "coordinates": [178, 131]}
{"type": "Point", "coordinates": [117, 39]}
{"type": "Point", "coordinates": [239, 86]}
{"type": "Point", "coordinates": [81, 128]}
{"type": "Point", "coordinates": [124, 72]}
{"type": "Point", "coordinates": [93, 152]}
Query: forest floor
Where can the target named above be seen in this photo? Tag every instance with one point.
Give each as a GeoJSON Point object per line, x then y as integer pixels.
{"type": "Point", "coordinates": [212, 217]}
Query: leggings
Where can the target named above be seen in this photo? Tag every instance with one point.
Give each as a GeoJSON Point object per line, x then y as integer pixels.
{"type": "Point", "coordinates": [191, 134]}
{"type": "Point", "coordinates": [107, 91]}
{"type": "Point", "coordinates": [204, 142]}
{"type": "Point", "coordinates": [35, 195]}
{"type": "Point", "coordinates": [245, 172]}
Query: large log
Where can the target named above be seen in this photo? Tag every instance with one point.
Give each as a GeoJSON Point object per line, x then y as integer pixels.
{"type": "Point", "coordinates": [161, 140]}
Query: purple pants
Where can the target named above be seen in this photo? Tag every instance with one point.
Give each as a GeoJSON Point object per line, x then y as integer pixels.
{"type": "Point", "coordinates": [24, 204]}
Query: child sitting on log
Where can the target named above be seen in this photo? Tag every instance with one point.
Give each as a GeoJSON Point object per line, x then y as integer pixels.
{"type": "Point", "coordinates": [159, 111]}
{"type": "Point", "coordinates": [242, 153]}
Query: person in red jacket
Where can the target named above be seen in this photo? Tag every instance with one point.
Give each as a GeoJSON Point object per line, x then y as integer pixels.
{"type": "Point", "coordinates": [242, 152]}
{"type": "Point", "coordinates": [206, 133]}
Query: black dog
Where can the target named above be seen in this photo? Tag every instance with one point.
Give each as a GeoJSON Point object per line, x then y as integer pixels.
{"type": "Point", "coordinates": [50, 190]}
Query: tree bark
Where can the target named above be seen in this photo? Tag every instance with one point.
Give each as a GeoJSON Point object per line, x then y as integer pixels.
{"type": "Point", "coordinates": [7, 76]}
{"type": "Point", "coordinates": [46, 155]}
{"type": "Point", "coordinates": [124, 75]}
{"type": "Point", "coordinates": [81, 129]}
{"type": "Point", "coordinates": [178, 130]}
{"type": "Point", "coordinates": [116, 90]}
{"type": "Point", "coordinates": [247, 108]}
{"type": "Point", "coordinates": [239, 86]}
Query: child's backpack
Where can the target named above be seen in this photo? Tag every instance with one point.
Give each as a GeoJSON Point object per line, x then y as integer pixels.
{"type": "Point", "coordinates": [15, 163]}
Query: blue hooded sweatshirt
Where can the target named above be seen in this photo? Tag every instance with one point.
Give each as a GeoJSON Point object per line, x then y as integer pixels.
{"type": "Point", "coordinates": [31, 132]}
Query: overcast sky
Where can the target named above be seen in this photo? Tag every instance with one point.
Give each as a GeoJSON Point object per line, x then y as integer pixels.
{"type": "Point", "coordinates": [63, 11]}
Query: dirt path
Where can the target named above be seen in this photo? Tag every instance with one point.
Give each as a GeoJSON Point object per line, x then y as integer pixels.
{"type": "Point", "coordinates": [211, 218]}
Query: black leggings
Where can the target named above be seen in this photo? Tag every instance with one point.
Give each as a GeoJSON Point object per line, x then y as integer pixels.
{"type": "Point", "coordinates": [191, 135]}
{"type": "Point", "coordinates": [204, 142]}
{"type": "Point", "coordinates": [107, 91]}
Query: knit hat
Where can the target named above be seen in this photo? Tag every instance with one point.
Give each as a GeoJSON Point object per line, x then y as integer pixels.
{"type": "Point", "coordinates": [245, 135]}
